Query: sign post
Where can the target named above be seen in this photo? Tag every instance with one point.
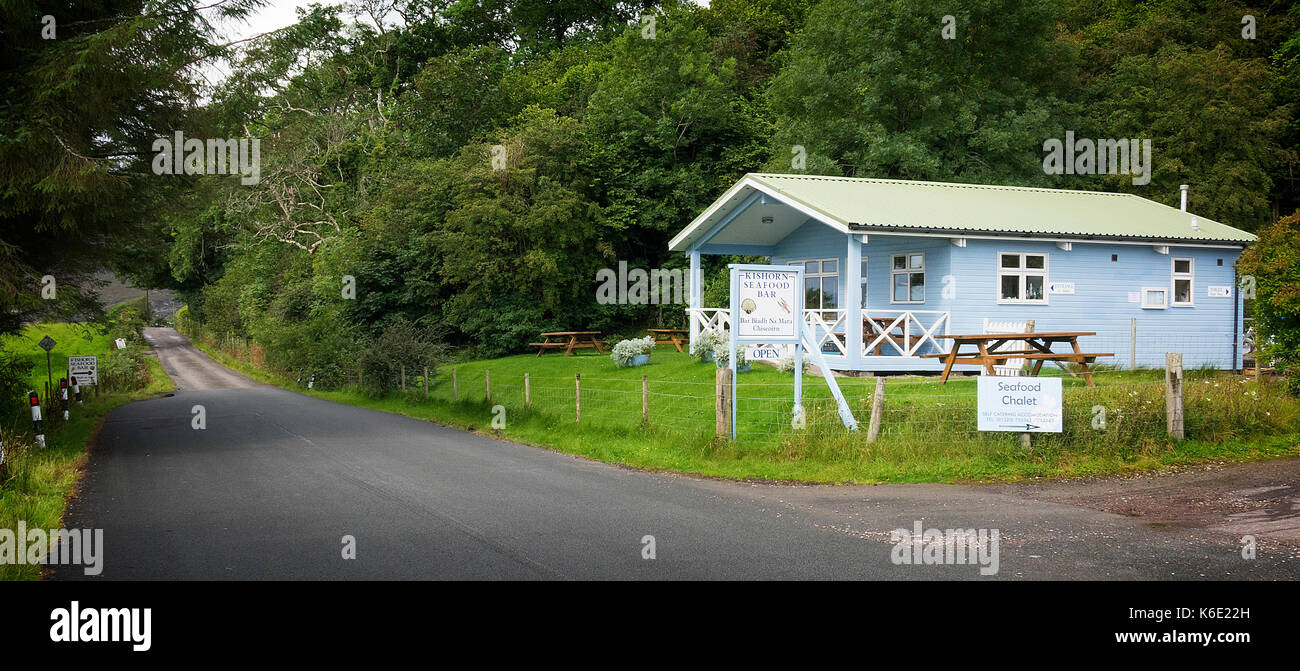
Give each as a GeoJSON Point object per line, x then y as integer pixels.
{"type": "Point", "coordinates": [1020, 404]}
{"type": "Point", "coordinates": [47, 343]}
{"type": "Point", "coordinates": [766, 309]}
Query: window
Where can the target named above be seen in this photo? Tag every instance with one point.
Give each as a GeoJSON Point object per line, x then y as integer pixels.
{"type": "Point", "coordinates": [821, 283]}
{"type": "Point", "coordinates": [1182, 282]}
{"type": "Point", "coordinates": [907, 275]}
{"type": "Point", "coordinates": [1154, 298]}
{"type": "Point", "coordinates": [1022, 278]}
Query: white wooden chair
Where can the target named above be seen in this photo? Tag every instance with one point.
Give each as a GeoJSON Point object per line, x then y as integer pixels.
{"type": "Point", "coordinates": [1012, 367]}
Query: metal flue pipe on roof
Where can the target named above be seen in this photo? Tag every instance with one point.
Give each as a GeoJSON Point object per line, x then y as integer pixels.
{"type": "Point", "coordinates": [1184, 189]}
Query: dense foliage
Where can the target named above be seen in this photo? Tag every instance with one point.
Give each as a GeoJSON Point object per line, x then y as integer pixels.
{"type": "Point", "coordinates": [1273, 265]}
{"type": "Point", "coordinates": [466, 167]}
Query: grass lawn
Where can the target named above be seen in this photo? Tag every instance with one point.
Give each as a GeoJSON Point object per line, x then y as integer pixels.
{"type": "Point", "coordinates": [42, 480]}
{"type": "Point", "coordinates": [928, 429]}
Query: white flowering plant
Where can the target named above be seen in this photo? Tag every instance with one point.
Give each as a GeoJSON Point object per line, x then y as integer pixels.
{"type": "Point", "coordinates": [722, 354]}
{"type": "Point", "coordinates": [704, 343]}
{"type": "Point", "coordinates": [626, 351]}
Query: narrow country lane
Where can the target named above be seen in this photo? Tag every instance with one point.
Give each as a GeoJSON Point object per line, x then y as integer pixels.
{"type": "Point", "coordinates": [270, 488]}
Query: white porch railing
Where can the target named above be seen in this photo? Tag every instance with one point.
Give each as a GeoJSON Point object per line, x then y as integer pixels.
{"type": "Point", "coordinates": [906, 332]}
{"type": "Point", "coordinates": [826, 326]}
{"type": "Point", "coordinates": [711, 320]}
{"type": "Point", "coordinates": [895, 332]}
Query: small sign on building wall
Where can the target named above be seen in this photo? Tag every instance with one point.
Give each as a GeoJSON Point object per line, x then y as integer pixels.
{"type": "Point", "coordinates": [1219, 292]}
{"type": "Point", "coordinates": [1135, 296]}
{"type": "Point", "coordinates": [1060, 287]}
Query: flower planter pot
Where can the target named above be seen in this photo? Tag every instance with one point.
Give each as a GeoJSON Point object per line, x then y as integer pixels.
{"type": "Point", "coordinates": [640, 359]}
{"type": "Point", "coordinates": [743, 368]}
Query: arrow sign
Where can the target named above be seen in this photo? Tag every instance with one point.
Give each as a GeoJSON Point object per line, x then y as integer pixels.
{"type": "Point", "coordinates": [46, 343]}
{"type": "Point", "coordinates": [1018, 427]}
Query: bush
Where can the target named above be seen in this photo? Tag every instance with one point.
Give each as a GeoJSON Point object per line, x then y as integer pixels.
{"type": "Point", "coordinates": [14, 381]}
{"type": "Point", "coordinates": [123, 370]}
{"type": "Point", "coordinates": [626, 350]}
{"type": "Point", "coordinates": [399, 344]}
{"type": "Point", "coordinates": [125, 321]}
{"type": "Point", "coordinates": [1274, 264]}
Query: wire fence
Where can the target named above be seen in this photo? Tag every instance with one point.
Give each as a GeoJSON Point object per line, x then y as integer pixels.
{"type": "Point", "coordinates": [1123, 405]}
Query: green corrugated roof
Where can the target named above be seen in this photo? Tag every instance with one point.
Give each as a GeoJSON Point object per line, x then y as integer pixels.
{"type": "Point", "coordinates": [972, 208]}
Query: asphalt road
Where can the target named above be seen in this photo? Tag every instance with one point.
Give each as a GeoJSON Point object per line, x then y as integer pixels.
{"type": "Point", "coordinates": [271, 486]}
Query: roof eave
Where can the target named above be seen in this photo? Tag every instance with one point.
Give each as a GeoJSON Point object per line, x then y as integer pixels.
{"type": "Point", "coordinates": [867, 228]}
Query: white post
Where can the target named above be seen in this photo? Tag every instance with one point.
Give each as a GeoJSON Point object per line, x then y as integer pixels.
{"type": "Point", "coordinates": [697, 287]}
{"type": "Point", "coordinates": [853, 302]}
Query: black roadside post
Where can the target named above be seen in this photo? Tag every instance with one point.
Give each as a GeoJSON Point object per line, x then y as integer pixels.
{"type": "Point", "coordinates": [35, 401]}
{"type": "Point", "coordinates": [63, 396]}
{"type": "Point", "coordinates": [76, 389]}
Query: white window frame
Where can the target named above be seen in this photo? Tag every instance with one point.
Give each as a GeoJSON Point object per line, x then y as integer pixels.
{"type": "Point", "coordinates": [1190, 276]}
{"type": "Point", "coordinates": [1021, 272]}
{"type": "Point", "coordinates": [839, 290]}
{"type": "Point", "coordinates": [906, 270]}
{"type": "Point", "coordinates": [1164, 291]}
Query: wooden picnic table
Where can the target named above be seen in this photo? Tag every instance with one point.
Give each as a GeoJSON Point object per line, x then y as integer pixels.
{"type": "Point", "coordinates": [1039, 350]}
{"type": "Point", "coordinates": [569, 340]}
{"type": "Point", "coordinates": [674, 336]}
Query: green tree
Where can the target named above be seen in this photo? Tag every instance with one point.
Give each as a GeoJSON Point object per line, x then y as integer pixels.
{"type": "Point", "coordinates": [1273, 263]}
{"type": "Point", "coordinates": [872, 88]}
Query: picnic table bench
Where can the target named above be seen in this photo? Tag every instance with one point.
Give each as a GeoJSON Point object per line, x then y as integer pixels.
{"type": "Point", "coordinates": [569, 341]}
{"type": "Point", "coordinates": [676, 337]}
{"type": "Point", "coordinates": [1039, 350]}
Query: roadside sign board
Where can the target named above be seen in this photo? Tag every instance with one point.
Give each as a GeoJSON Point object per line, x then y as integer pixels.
{"type": "Point", "coordinates": [767, 304]}
{"type": "Point", "coordinates": [1020, 404]}
{"type": "Point", "coordinates": [46, 343]}
{"type": "Point", "coordinates": [85, 368]}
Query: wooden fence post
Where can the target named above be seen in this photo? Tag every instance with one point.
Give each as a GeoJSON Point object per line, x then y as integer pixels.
{"type": "Point", "coordinates": [528, 394]}
{"type": "Point", "coordinates": [1174, 395]}
{"type": "Point", "coordinates": [487, 385]}
{"type": "Point", "coordinates": [426, 383]}
{"type": "Point", "coordinates": [403, 377]}
{"type": "Point", "coordinates": [577, 397]}
{"type": "Point", "coordinates": [645, 401]}
{"type": "Point", "coordinates": [877, 409]}
{"type": "Point", "coordinates": [722, 395]}
{"type": "Point", "coordinates": [455, 387]}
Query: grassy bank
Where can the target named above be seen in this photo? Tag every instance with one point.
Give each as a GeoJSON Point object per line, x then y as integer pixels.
{"type": "Point", "coordinates": [928, 429]}
{"type": "Point", "coordinates": [42, 480]}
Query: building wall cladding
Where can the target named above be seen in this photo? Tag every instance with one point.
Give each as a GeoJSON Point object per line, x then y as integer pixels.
{"type": "Point", "coordinates": [964, 281]}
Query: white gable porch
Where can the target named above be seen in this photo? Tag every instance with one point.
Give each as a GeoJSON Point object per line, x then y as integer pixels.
{"type": "Point", "coordinates": [851, 309]}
